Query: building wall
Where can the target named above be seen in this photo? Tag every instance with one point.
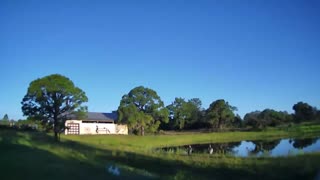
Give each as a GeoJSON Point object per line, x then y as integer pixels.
{"type": "Point", "coordinates": [122, 129]}
{"type": "Point", "coordinates": [98, 128]}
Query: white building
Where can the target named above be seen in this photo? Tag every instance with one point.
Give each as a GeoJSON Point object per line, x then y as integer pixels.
{"type": "Point", "coordinates": [96, 123]}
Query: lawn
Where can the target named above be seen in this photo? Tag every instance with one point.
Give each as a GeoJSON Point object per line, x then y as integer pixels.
{"type": "Point", "coordinates": [34, 155]}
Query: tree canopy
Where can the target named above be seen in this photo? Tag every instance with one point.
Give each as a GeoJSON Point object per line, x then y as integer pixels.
{"type": "Point", "coordinates": [142, 109]}
{"type": "Point", "coordinates": [252, 119]}
{"type": "Point", "coordinates": [267, 117]}
{"type": "Point", "coordinates": [51, 99]}
{"type": "Point", "coordinates": [220, 113]}
{"type": "Point", "coordinates": [194, 106]}
{"type": "Point", "coordinates": [5, 120]}
{"type": "Point", "coordinates": [5, 117]}
{"type": "Point", "coordinates": [304, 112]}
{"type": "Point", "coordinates": [184, 113]}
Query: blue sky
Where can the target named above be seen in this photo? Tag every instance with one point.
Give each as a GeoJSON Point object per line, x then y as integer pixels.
{"type": "Point", "coordinates": [255, 54]}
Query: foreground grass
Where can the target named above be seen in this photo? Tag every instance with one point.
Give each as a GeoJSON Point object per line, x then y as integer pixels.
{"type": "Point", "coordinates": [35, 156]}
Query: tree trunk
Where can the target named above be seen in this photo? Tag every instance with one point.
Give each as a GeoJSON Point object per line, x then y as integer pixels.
{"type": "Point", "coordinates": [142, 131]}
{"type": "Point", "coordinates": [56, 136]}
{"type": "Point", "coordinates": [219, 123]}
{"type": "Point", "coordinates": [55, 128]}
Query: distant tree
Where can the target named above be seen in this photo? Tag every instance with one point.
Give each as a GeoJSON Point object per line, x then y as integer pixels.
{"type": "Point", "coordinates": [318, 115]}
{"type": "Point", "coordinates": [5, 120]}
{"type": "Point", "coordinates": [178, 113]}
{"type": "Point", "coordinates": [220, 113]}
{"type": "Point", "coordinates": [194, 106]}
{"type": "Point", "coordinates": [252, 119]}
{"type": "Point", "coordinates": [184, 113]}
{"type": "Point", "coordinates": [303, 112]}
{"type": "Point", "coordinates": [236, 122]}
{"type": "Point", "coordinates": [272, 117]}
{"type": "Point", "coordinates": [5, 117]}
{"type": "Point", "coordinates": [267, 117]}
{"type": "Point", "coordinates": [289, 117]}
{"type": "Point", "coordinates": [142, 109]}
{"type": "Point", "coordinates": [196, 102]}
{"type": "Point", "coordinates": [51, 99]}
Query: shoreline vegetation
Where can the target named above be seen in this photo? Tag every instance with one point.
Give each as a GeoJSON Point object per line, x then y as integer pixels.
{"type": "Point", "coordinates": [35, 155]}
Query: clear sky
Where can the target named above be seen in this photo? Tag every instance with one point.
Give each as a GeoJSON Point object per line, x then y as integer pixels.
{"type": "Point", "coordinates": [255, 54]}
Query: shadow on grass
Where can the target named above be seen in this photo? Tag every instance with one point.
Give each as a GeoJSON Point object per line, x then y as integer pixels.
{"type": "Point", "coordinates": [22, 160]}
{"type": "Point", "coordinates": [34, 155]}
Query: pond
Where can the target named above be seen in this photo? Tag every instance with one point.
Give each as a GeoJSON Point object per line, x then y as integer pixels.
{"type": "Point", "coordinates": [123, 171]}
{"type": "Point", "coordinates": [258, 148]}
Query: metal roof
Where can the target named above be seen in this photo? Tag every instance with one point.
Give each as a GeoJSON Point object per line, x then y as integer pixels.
{"type": "Point", "coordinates": [97, 116]}
{"type": "Point", "coordinates": [102, 116]}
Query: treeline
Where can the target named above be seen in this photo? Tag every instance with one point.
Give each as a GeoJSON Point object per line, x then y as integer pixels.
{"type": "Point", "coordinates": [21, 124]}
{"type": "Point", "coordinates": [303, 112]}
{"type": "Point", "coordinates": [143, 110]}
{"type": "Point", "coordinates": [50, 100]}
{"type": "Point", "coordinates": [220, 114]}
{"type": "Point", "coordinates": [189, 114]}
{"type": "Point", "coordinates": [5, 121]}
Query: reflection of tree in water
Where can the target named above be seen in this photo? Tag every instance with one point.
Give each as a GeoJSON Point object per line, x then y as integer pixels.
{"type": "Point", "coordinates": [216, 147]}
{"type": "Point", "coordinates": [223, 147]}
{"type": "Point", "coordinates": [302, 143]}
{"type": "Point", "coordinates": [262, 146]}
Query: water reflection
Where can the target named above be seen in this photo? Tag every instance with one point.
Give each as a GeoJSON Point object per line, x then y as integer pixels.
{"type": "Point", "coordinates": [123, 171]}
{"type": "Point", "coordinates": [263, 147]}
{"type": "Point", "coordinates": [113, 170]}
{"type": "Point", "coordinates": [280, 147]}
{"type": "Point", "coordinates": [203, 148]}
{"type": "Point", "coordinates": [302, 143]}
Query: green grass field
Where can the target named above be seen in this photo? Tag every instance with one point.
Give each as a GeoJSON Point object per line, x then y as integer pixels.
{"type": "Point", "coordinates": [34, 155]}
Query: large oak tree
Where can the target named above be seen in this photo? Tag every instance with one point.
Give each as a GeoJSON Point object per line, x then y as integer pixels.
{"type": "Point", "coordinates": [142, 109]}
{"type": "Point", "coordinates": [51, 99]}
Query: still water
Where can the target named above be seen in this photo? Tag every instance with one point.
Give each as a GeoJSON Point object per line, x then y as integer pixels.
{"type": "Point", "coordinates": [280, 147]}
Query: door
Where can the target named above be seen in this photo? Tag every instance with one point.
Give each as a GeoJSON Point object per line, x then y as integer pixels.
{"type": "Point", "coordinates": [73, 128]}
